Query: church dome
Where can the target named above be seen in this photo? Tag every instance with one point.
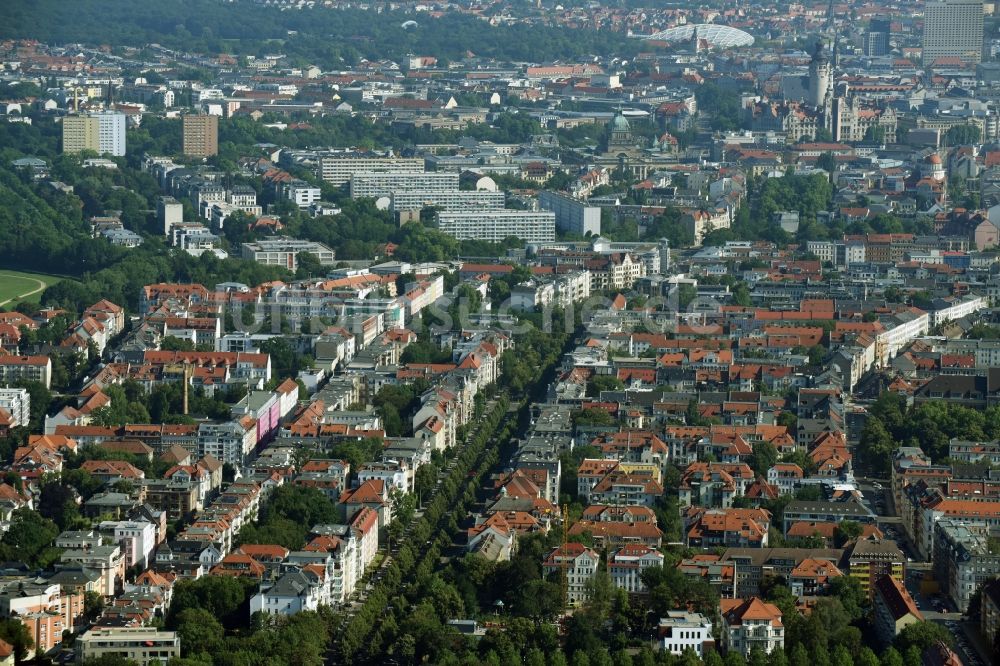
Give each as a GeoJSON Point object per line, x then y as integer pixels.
{"type": "Point", "coordinates": [933, 158]}
{"type": "Point", "coordinates": [620, 124]}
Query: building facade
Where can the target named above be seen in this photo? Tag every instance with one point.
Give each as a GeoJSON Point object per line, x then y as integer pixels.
{"type": "Point", "coordinates": [963, 559]}
{"type": "Point", "coordinates": [201, 135]}
{"type": "Point", "coordinates": [284, 252]}
{"type": "Point", "coordinates": [953, 29]}
{"type": "Point", "coordinates": [495, 225]}
{"type": "Point", "coordinates": [572, 215]}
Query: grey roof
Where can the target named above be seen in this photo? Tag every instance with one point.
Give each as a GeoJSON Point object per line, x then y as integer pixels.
{"type": "Point", "coordinates": [291, 584]}
{"type": "Point", "coordinates": [851, 508]}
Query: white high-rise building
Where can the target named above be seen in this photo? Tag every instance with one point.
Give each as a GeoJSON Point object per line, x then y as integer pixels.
{"type": "Point", "coordinates": [953, 28]}
{"type": "Point", "coordinates": [572, 214]}
{"type": "Point", "coordinates": [111, 133]}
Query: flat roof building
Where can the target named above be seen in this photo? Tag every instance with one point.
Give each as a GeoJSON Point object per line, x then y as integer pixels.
{"type": "Point", "coordinates": [384, 184]}
{"type": "Point", "coordinates": [496, 225]}
{"type": "Point", "coordinates": [139, 644]}
{"type": "Point", "coordinates": [201, 135]}
{"type": "Point", "coordinates": [284, 252]}
{"type": "Point", "coordinates": [953, 29]}
{"type": "Point", "coordinates": [572, 215]}
{"type": "Point", "coordinates": [338, 169]}
{"type": "Point", "coordinates": [454, 200]}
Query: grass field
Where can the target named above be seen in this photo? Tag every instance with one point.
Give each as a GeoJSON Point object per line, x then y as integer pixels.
{"type": "Point", "coordinates": [19, 286]}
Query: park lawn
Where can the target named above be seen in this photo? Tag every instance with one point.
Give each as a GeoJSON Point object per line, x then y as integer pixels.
{"type": "Point", "coordinates": [13, 284]}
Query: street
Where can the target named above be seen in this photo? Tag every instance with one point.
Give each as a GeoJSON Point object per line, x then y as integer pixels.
{"type": "Point", "coordinates": [969, 646]}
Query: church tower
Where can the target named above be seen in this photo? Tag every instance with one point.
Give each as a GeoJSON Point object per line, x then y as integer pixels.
{"type": "Point", "coordinates": [820, 77]}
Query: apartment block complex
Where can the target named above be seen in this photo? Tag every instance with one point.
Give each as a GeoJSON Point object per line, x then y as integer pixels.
{"type": "Point", "coordinates": [100, 132]}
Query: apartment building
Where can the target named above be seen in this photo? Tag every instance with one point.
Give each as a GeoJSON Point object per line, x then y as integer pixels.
{"type": "Point", "coordinates": [495, 225]}
{"type": "Point", "coordinates": [454, 200]}
{"type": "Point", "coordinates": [200, 135]}
{"type": "Point", "coordinates": [873, 559]}
{"type": "Point", "coordinates": [894, 609]}
{"type": "Point", "coordinates": [751, 623]}
{"type": "Point", "coordinates": [572, 215]}
{"type": "Point", "coordinates": [682, 630]}
{"type": "Point", "coordinates": [15, 408]}
{"type": "Point", "coordinates": [79, 133]}
{"type": "Point", "coordinates": [169, 212]}
{"type": "Point", "coordinates": [102, 133]}
{"type": "Point", "coordinates": [384, 184]}
{"type": "Point", "coordinates": [140, 644]}
{"type": "Point", "coordinates": [964, 559]}
{"type": "Point", "coordinates": [627, 564]}
{"type": "Point", "coordinates": [15, 369]}
{"type": "Point", "coordinates": [339, 169]}
{"type": "Point", "coordinates": [578, 564]}
{"type": "Point", "coordinates": [559, 292]}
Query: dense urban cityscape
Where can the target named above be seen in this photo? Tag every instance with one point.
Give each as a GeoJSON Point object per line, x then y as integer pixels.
{"type": "Point", "coordinates": [559, 334]}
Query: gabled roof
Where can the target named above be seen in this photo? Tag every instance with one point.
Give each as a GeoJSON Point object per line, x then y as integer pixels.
{"type": "Point", "coordinates": [736, 611]}
{"type": "Point", "coordinates": [896, 599]}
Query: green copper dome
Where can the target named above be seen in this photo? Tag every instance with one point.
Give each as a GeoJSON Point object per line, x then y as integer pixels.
{"type": "Point", "coordinates": [619, 124]}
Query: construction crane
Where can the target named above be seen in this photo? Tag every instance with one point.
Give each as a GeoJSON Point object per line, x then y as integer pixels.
{"type": "Point", "coordinates": [564, 579]}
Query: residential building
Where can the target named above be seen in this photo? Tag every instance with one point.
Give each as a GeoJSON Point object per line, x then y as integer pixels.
{"type": "Point", "coordinates": [169, 212]}
{"type": "Point", "coordinates": [702, 221]}
{"type": "Point", "coordinates": [136, 539]}
{"type": "Point", "coordinates": [751, 623]}
{"type": "Point", "coordinates": [572, 215]}
{"type": "Point", "coordinates": [107, 561]}
{"type": "Point", "coordinates": [894, 609]}
{"type": "Point", "coordinates": [456, 200]}
{"type": "Point", "coordinates": [965, 557]}
{"type": "Point", "coordinates": [729, 528]}
{"type": "Point", "coordinates": [627, 564]}
{"type": "Point", "coordinates": [15, 408]}
{"type": "Point", "coordinates": [560, 292]}
{"type": "Point", "coordinates": [200, 135]}
{"type": "Point", "coordinates": [375, 185]}
{"type": "Point", "coordinates": [578, 564]}
{"type": "Point", "coordinates": [15, 369]}
{"type": "Point", "coordinates": [111, 133]}
{"type": "Point", "coordinates": [873, 559]}
{"type": "Point", "coordinates": [44, 607]}
{"type": "Point", "coordinates": [496, 225]}
{"type": "Point", "coordinates": [100, 132]}
{"type": "Point", "coordinates": [79, 133]}
{"type": "Point", "coordinates": [295, 591]}
{"type": "Point", "coordinates": [989, 611]}
{"type": "Point", "coordinates": [750, 566]}
{"type": "Point", "coordinates": [830, 512]}
{"type": "Point", "coordinates": [338, 169]}
{"type": "Point", "coordinates": [143, 645]}
{"type": "Point", "coordinates": [682, 630]}
{"type": "Point", "coordinates": [302, 194]}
